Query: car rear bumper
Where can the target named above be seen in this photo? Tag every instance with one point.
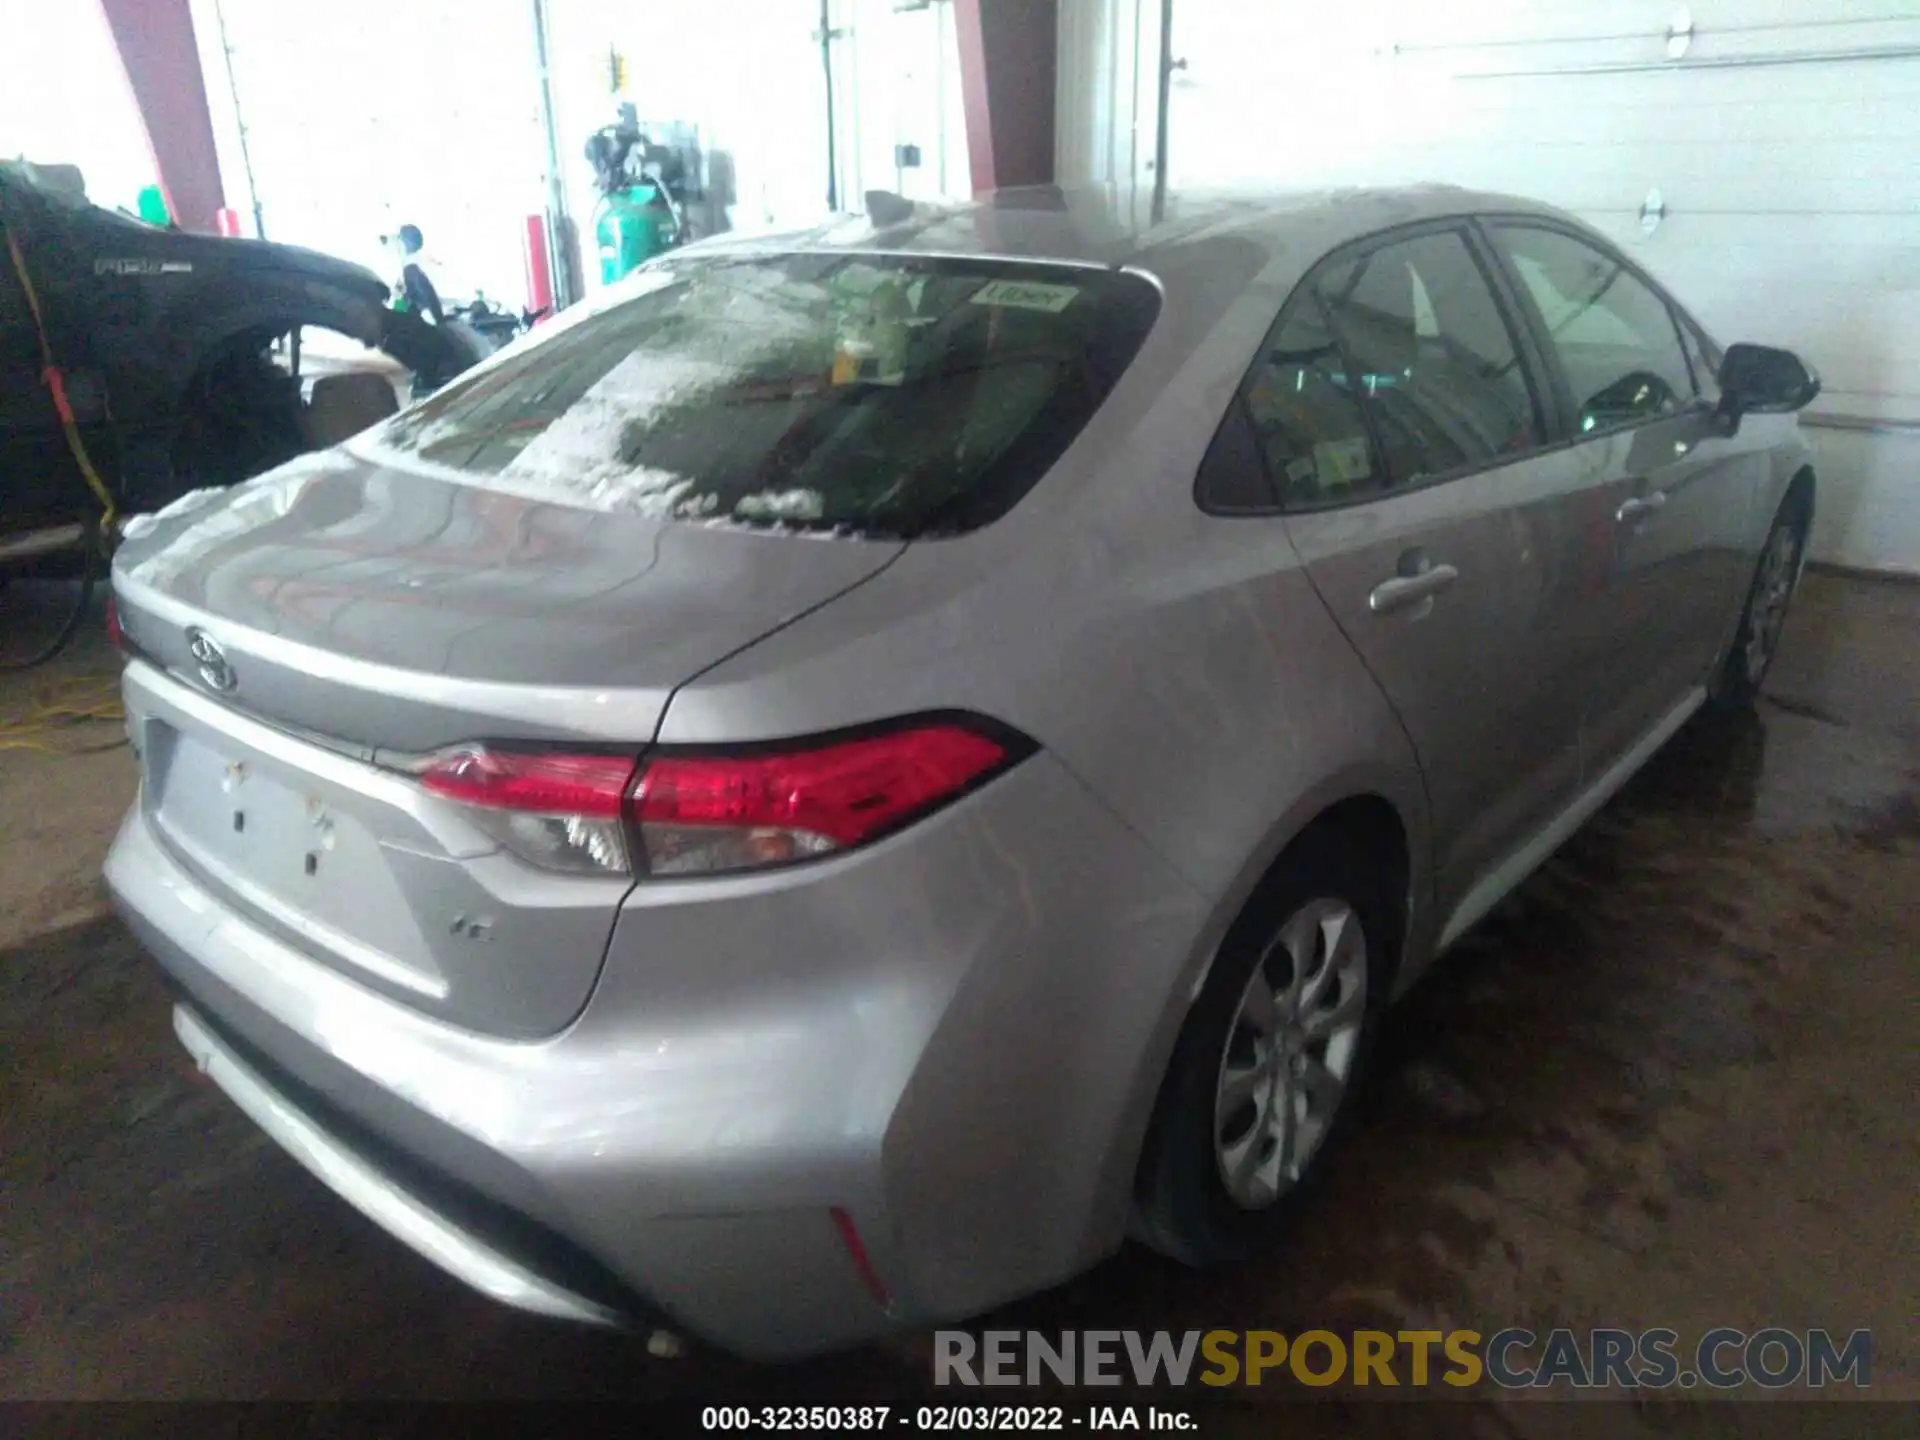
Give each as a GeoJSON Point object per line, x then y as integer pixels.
{"type": "Point", "coordinates": [965, 1098]}
{"type": "Point", "coordinates": [419, 1215]}
{"type": "Point", "coordinates": [391, 1110]}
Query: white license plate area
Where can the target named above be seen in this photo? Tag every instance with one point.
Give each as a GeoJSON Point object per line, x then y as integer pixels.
{"type": "Point", "coordinates": [258, 828]}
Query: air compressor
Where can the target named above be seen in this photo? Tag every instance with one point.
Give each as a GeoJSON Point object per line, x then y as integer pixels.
{"type": "Point", "coordinates": [643, 188]}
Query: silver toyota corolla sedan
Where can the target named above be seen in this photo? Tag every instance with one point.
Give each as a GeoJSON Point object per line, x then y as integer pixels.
{"type": "Point", "coordinates": [841, 780]}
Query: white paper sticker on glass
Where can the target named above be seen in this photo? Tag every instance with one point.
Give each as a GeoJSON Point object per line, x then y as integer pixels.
{"type": "Point", "coordinates": [1026, 295]}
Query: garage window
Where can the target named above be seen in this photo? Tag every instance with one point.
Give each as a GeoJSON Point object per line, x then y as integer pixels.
{"type": "Point", "coordinates": [868, 394]}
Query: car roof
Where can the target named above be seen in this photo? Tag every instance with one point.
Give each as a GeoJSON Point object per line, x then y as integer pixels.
{"type": "Point", "coordinates": [1113, 225]}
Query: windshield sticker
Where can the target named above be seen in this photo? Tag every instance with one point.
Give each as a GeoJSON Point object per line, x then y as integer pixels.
{"type": "Point", "coordinates": [1026, 295]}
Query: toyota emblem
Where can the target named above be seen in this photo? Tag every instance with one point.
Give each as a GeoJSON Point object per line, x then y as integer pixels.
{"type": "Point", "coordinates": [211, 659]}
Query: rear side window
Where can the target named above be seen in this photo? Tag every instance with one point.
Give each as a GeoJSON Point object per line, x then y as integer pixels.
{"type": "Point", "coordinates": [868, 394]}
{"type": "Point", "coordinates": [1438, 366]}
{"type": "Point", "coordinates": [1306, 414]}
{"type": "Point", "coordinates": [1233, 475]}
{"type": "Point", "coordinates": [1615, 337]}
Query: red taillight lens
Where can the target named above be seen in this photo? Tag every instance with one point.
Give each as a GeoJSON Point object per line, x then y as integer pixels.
{"type": "Point", "coordinates": [846, 792]}
{"type": "Point", "coordinates": [114, 636]}
{"type": "Point", "coordinates": [711, 812]}
{"type": "Point", "coordinates": [558, 810]}
{"type": "Point", "coordinates": [705, 813]}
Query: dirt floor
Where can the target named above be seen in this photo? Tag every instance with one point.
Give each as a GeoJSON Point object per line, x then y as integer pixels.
{"type": "Point", "coordinates": [63, 789]}
{"type": "Point", "coordinates": [1671, 1083]}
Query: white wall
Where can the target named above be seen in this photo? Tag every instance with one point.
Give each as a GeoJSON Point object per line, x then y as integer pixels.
{"type": "Point", "coordinates": [1792, 190]}
{"type": "Point", "coordinates": [64, 98]}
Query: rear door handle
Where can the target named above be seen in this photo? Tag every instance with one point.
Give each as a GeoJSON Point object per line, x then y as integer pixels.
{"type": "Point", "coordinates": [1640, 505]}
{"type": "Point", "coordinates": [1404, 590]}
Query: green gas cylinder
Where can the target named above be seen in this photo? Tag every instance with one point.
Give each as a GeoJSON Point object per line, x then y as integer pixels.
{"type": "Point", "coordinates": [630, 227]}
{"type": "Point", "coordinates": [153, 206]}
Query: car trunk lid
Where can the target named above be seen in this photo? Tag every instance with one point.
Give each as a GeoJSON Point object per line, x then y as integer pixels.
{"type": "Point", "coordinates": [390, 609]}
{"type": "Point", "coordinates": [311, 635]}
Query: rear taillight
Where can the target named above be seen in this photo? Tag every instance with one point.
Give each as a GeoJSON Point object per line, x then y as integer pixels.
{"type": "Point", "coordinates": [559, 810]}
{"type": "Point", "coordinates": [704, 813]}
{"type": "Point", "coordinates": [115, 637]}
{"type": "Point", "coordinates": [711, 811]}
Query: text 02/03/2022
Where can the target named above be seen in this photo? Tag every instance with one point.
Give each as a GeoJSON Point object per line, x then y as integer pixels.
{"type": "Point", "coordinates": [934, 1419]}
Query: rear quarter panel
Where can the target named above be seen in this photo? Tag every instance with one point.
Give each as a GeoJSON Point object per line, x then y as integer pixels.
{"type": "Point", "coordinates": [1179, 665]}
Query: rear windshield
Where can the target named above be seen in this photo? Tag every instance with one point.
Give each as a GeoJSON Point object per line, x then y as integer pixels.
{"type": "Point", "coordinates": [868, 394]}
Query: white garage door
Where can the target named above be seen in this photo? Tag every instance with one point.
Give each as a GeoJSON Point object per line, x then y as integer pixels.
{"type": "Point", "coordinates": [363, 115]}
{"type": "Point", "coordinates": [1770, 144]}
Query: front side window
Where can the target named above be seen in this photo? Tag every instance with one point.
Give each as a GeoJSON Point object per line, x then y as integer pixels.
{"type": "Point", "coordinates": [860, 393]}
{"type": "Point", "coordinates": [1614, 336]}
{"type": "Point", "coordinates": [1704, 356]}
{"type": "Point", "coordinates": [1438, 366]}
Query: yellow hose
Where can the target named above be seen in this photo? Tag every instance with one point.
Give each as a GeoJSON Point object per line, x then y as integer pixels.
{"type": "Point", "coordinates": [56, 387]}
{"type": "Point", "coordinates": [73, 703]}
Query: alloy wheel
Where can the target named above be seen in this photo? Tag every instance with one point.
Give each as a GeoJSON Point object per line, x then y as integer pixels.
{"type": "Point", "coordinates": [1290, 1051]}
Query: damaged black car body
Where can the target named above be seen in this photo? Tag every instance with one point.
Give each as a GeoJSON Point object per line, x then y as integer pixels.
{"type": "Point", "coordinates": [158, 360]}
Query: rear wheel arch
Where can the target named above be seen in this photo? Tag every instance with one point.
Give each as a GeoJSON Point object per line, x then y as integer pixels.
{"type": "Point", "coordinates": [1369, 824]}
{"type": "Point", "coordinates": [267, 308]}
{"type": "Point", "coordinates": [213, 315]}
{"type": "Point", "coordinates": [1362, 820]}
{"type": "Point", "coordinates": [1355, 849]}
{"type": "Point", "coordinates": [1376, 830]}
{"type": "Point", "coordinates": [227, 352]}
{"type": "Point", "coordinates": [276, 304]}
{"type": "Point", "coordinates": [222, 428]}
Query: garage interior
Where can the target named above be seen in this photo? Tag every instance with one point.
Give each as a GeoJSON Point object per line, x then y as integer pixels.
{"type": "Point", "coordinates": [1668, 1082]}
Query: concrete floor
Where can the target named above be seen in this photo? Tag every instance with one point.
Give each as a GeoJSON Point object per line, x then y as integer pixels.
{"type": "Point", "coordinates": [1671, 1083]}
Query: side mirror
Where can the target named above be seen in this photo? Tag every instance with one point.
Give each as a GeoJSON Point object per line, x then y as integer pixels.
{"type": "Point", "coordinates": [1758, 379]}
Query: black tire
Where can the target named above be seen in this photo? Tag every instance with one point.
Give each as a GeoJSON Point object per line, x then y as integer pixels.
{"type": "Point", "coordinates": [1743, 670]}
{"type": "Point", "coordinates": [1182, 1205]}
